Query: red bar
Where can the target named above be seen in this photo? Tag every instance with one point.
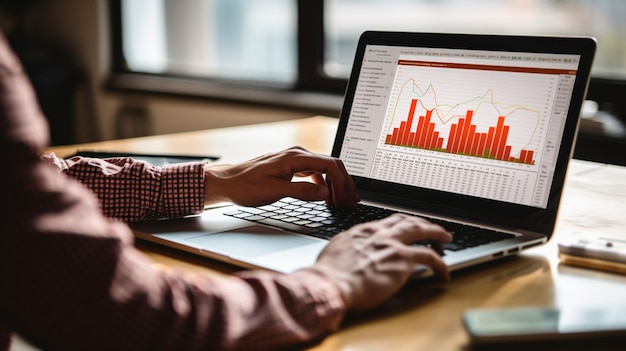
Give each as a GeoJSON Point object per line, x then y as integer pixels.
{"type": "Point", "coordinates": [394, 136]}
{"type": "Point", "coordinates": [430, 136]}
{"type": "Point", "coordinates": [496, 138]}
{"type": "Point", "coordinates": [529, 157]}
{"type": "Point", "coordinates": [430, 128]}
{"type": "Point", "coordinates": [502, 146]}
{"type": "Point", "coordinates": [411, 139]}
{"type": "Point", "coordinates": [451, 138]}
{"type": "Point", "coordinates": [409, 123]}
{"type": "Point", "coordinates": [458, 138]}
{"type": "Point", "coordinates": [470, 139]}
{"type": "Point", "coordinates": [465, 139]}
{"type": "Point", "coordinates": [489, 145]}
{"type": "Point", "coordinates": [475, 141]}
{"type": "Point", "coordinates": [419, 134]}
{"type": "Point", "coordinates": [507, 153]}
{"type": "Point", "coordinates": [388, 139]}
{"type": "Point", "coordinates": [439, 142]}
{"type": "Point", "coordinates": [481, 145]}
{"type": "Point", "coordinates": [401, 133]}
{"type": "Point", "coordinates": [522, 156]}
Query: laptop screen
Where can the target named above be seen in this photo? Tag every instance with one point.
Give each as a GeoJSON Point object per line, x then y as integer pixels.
{"type": "Point", "coordinates": [474, 122]}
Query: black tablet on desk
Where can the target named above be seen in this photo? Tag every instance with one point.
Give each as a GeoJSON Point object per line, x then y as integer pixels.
{"type": "Point", "coordinates": [155, 159]}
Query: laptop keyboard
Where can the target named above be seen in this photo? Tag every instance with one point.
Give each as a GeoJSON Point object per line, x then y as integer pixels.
{"type": "Point", "coordinates": [317, 219]}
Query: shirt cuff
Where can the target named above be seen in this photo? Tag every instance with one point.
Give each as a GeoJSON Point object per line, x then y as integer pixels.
{"type": "Point", "coordinates": [182, 189]}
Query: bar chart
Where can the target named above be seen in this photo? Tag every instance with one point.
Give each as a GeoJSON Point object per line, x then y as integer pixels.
{"type": "Point", "coordinates": [462, 139]}
{"type": "Point", "coordinates": [478, 115]}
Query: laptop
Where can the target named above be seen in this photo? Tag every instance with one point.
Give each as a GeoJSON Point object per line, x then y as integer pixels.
{"type": "Point", "coordinates": [474, 132]}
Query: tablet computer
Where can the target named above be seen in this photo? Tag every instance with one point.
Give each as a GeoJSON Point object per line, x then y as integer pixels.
{"type": "Point", "coordinates": [155, 159]}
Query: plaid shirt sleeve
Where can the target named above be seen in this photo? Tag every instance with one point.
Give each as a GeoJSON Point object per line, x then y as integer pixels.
{"type": "Point", "coordinates": [71, 279]}
{"type": "Point", "coordinates": [134, 190]}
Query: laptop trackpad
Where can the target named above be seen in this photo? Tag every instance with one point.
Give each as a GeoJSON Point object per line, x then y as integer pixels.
{"type": "Point", "coordinates": [251, 241]}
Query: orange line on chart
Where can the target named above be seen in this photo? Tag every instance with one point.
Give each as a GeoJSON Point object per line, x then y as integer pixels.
{"type": "Point", "coordinates": [444, 118]}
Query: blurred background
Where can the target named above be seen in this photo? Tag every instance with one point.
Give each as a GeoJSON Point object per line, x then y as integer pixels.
{"type": "Point", "coordinates": [107, 69]}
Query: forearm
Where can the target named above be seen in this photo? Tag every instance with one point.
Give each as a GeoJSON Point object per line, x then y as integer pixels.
{"type": "Point", "coordinates": [133, 305]}
{"type": "Point", "coordinates": [133, 190]}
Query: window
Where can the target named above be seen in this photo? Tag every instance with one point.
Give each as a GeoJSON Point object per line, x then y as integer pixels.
{"type": "Point", "coordinates": [247, 41]}
{"type": "Point", "coordinates": [215, 47]}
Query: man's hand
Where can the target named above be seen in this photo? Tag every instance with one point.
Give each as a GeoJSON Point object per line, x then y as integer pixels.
{"type": "Point", "coordinates": [268, 178]}
{"type": "Point", "coordinates": [372, 261]}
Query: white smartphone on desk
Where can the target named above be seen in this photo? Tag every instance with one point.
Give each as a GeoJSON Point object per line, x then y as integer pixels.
{"type": "Point", "coordinates": [566, 324]}
{"type": "Point", "coordinates": [602, 248]}
{"type": "Point", "coordinates": [597, 252]}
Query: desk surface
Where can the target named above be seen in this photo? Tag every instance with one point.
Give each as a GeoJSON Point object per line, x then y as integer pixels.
{"type": "Point", "coordinates": [425, 315]}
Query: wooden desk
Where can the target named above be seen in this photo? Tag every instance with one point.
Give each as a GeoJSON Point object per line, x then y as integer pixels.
{"type": "Point", "coordinates": [426, 315]}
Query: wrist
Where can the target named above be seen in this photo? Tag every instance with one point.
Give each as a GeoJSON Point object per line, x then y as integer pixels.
{"type": "Point", "coordinates": [213, 185]}
{"type": "Point", "coordinates": [341, 287]}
